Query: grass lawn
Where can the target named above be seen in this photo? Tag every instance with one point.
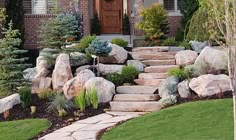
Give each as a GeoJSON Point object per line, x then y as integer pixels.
{"type": "Point", "coordinates": [203, 120]}
{"type": "Point", "coordinates": [22, 129]}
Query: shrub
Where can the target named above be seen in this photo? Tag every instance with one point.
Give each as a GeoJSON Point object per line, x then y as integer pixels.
{"type": "Point", "coordinates": [80, 100]}
{"type": "Point", "coordinates": [126, 25]}
{"type": "Point", "coordinates": [96, 25]}
{"type": "Point", "coordinates": [153, 42]}
{"type": "Point", "coordinates": [85, 42]}
{"type": "Point", "coordinates": [119, 42]}
{"type": "Point", "coordinates": [129, 73]}
{"type": "Point", "coordinates": [169, 42]}
{"type": "Point", "coordinates": [115, 78]}
{"type": "Point", "coordinates": [46, 93]}
{"type": "Point", "coordinates": [154, 22]}
{"type": "Point", "coordinates": [93, 97]}
{"type": "Point", "coordinates": [25, 96]}
{"type": "Point", "coordinates": [192, 71]}
{"type": "Point", "coordinates": [178, 72]}
{"type": "Point", "coordinates": [99, 48]}
{"type": "Point", "coordinates": [185, 45]}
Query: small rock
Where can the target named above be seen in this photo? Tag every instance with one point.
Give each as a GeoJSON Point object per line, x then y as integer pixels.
{"type": "Point", "coordinates": [187, 57]}
{"type": "Point", "coordinates": [198, 46]}
{"type": "Point", "coordinates": [168, 87]}
{"type": "Point", "coordinates": [183, 89]}
{"type": "Point", "coordinates": [137, 64]}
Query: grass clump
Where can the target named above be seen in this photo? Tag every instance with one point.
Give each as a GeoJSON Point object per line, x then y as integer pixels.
{"type": "Point", "coordinates": [93, 97]}
{"type": "Point", "coordinates": [178, 72]}
{"type": "Point", "coordinates": [185, 45]}
{"type": "Point", "coordinates": [116, 79]}
{"type": "Point", "coordinates": [85, 42]}
{"type": "Point", "coordinates": [25, 96]}
{"type": "Point", "coordinates": [46, 93]}
{"type": "Point", "coordinates": [119, 42]}
{"type": "Point", "coordinates": [129, 73]}
{"type": "Point", "coordinates": [169, 42]}
{"type": "Point", "coordinates": [80, 100]}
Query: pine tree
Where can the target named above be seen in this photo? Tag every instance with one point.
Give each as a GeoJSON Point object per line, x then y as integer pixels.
{"type": "Point", "coordinates": [96, 25]}
{"type": "Point", "coordinates": [126, 25]}
{"type": "Point", "coordinates": [12, 62]}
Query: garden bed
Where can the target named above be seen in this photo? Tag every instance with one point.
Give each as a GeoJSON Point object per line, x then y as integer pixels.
{"type": "Point", "coordinates": [19, 113]}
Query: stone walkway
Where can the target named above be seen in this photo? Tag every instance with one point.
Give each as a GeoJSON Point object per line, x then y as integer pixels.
{"type": "Point", "coordinates": [88, 129]}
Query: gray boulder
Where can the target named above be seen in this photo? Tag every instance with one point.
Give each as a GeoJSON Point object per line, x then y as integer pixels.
{"type": "Point", "coordinates": [187, 57]}
{"type": "Point", "coordinates": [198, 46]}
{"type": "Point", "coordinates": [30, 73]}
{"type": "Point", "coordinates": [168, 87]}
{"type": "Point", "coordinates": [108, 69]}
{"type": "Point", "coordinates": [42, 67]}
{"type": "Point", "coordinates": [8, 102]}
{"type": "Point", "coordinates": [183, 89]}
{"type": "Point", "coordinates": [78, 59]}
{"type": "Point", "coordinates": [39, 84]}
{"type": "Point", "coordinates": [81, 68]}
{"type": "Point", "coordinates": [137, 64]}
{"type": "Point", "coordinates": [168, 100]}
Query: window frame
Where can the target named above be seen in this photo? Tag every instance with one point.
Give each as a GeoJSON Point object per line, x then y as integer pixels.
{"type": "Point", "coordinates": [176, 11]}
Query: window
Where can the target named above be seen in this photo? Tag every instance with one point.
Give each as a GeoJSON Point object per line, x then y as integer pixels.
{"type": "Point", "coordinates": [172, 5]}
{"type": "Point", "coordinates": [40, 6]}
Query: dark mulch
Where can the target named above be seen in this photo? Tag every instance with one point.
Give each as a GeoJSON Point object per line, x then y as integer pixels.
{"type": "Point", "coordinates": [19, 113]}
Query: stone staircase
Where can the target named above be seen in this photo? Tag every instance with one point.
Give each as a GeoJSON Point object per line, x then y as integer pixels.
{"type": "Point", "coordinates": [143, 97]}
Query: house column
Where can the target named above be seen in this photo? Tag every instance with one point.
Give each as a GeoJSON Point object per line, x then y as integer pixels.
{"type": "Point", "coordinates": [138, 5]}
{"type": "Point", "coordinates": [84, 9]}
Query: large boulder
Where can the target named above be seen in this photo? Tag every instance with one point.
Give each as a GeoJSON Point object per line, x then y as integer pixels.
{"type": "Point", "coordinates": [62, 72]}
{"type": "Point", "coordinates": [187, 57]}
{"type": "Point", "coordinates": [81, 68]}
{"type": "Point", "coordinates": [208, 85]}
{"type": "Point", "coordinates": [30, 73]}
{"type": "Point", "coordinates": [78, 59]}
{"type": "Point", "coordinates": [118, 55]}
{"type": "Point", "coordinates": [168, 87]}
{"type": "Point", "coordinates": [8, 102]}
{"type": "Point", "coordinates": [212, 61]}
{"type": "Point", "coordinates": [105, 89]}
{"type": "Point", "coordinates": [137, 64]}
{"type": "Point", "coordinates": [42, 67]}
{"type": "Point", "coordinates": [39, 84]}
{"type": "Point", "coordinates": [198, 46]}
{"type": "Point", "coordinates": [168, 100]}
{"type": "Point", "coordinates": [183, 89]}
{"type": "Point", "coordinates": [108, 69]}
{"type": "Point", "coordinates": [73, 86]}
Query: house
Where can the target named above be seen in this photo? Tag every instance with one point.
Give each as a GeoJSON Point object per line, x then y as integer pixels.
{"type": "Point", "coordinates": [110, 13]}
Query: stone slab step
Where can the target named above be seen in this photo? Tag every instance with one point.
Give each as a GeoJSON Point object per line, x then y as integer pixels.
{"type": "Point", "coordinates": [159, 62]}
{"type": "Point", "coordinates": [148, 82]}
{"type": "Point", "coordinates": [136, 97]}
{"type": "Point", "coordinates": [153, 56]}
{"type": "Point", "coordinates": [151, 49]}
{"type": "Point", "coordinates": [153, 76]}
{"type": "Point", "coordinates": [136, 106]}
{"type": "Point", "coordinates": [136, 90]}
{"type": "Point", "coordinates": [118, 113]}
{"type": "Point", "coordinates": [159, 69]}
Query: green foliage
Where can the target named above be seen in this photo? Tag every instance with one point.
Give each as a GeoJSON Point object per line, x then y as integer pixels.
{"type": "Point", "coordinates": [178, 72]}
{"type": "Point", "coordinates": [25, 96]}
{"type": "Point", "coordinates": [169, 42]}
{"type": "Point", "coordinates": [46, 93]}
{"type": "Point", "coordinates": [58, 103]}
{"type": "Point", "coordinates": [192, 71]}
{"type": "Point", "coordinates": [99, 48]}
{"type": "Point", "coordinates": [12, 62]}
{"type": "Point", "coordinates": [119, 42]}
{"type": "Point", "coordinates": [93, 97]}
{"type": "Point", "coordinates": [116, 79]}
{"type": "Point", "coordinates": [126, 25]}
{"type": "Point", "coordinates": [129, 73]}
{"type": "Point", "coordinates": [85, 42]}
{"type": "Point", "coordinates": [154, 22]}
{"type": "Point", "coordinates": [96, 25]}
{"type": "Point", "coordinates": [80, 100]}
{"type": "Point", "coordinates": [185, 45]}
{"type": "Point", "coordinates": [2, 15]}
{"type": "Point", "coordinates": [55, 31]}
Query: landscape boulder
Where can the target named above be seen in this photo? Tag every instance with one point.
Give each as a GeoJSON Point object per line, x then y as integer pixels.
{"type": "Point", "coordinates": [8, 102]}
{"type": "Point", "coordinates": [187, 57]}
{"type": "Point", "coordinates": [39, 84]}
{"type": "Point", "coordinates": [168, 87]}
{"type": "Point", "coordinates": [81, 68]}
{"type": "Point", "coordinates": [42, 67]}
{"type": "Point", "coordinates": [105, 89]}
{"type": "Point", "coordinates": [183, 89]}
{"type": "Point", "coordinates": [208, 85]}
{"type": "Point", "coordinates": [78, 59]}
{"type": "Point", "coordinates": [198, 46]}
{"type": "Point", "coordinates": [137, 64]}
{"type": "Point", "coordinates": [168, 100]}
{"type": "Point", "coordinates": [108, 69]}
{"type": "Point", "coordinates": [30, 73]}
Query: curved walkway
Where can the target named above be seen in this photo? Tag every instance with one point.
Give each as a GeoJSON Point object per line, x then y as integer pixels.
{"type": "Point", "coordinates": [88, 129]}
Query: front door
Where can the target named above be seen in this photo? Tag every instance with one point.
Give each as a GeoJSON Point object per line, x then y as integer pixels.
{"type": "Point", "coordinates": [111, 16]}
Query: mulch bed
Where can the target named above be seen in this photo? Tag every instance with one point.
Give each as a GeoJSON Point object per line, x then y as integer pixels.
{"type": "Point", "coordinates": [19, 113]}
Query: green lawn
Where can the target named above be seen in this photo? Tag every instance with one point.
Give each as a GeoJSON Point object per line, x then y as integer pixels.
{"type": "Point", "coordinates": [204, 120]}
{"type": "Point", "coordinates": [22, 129]}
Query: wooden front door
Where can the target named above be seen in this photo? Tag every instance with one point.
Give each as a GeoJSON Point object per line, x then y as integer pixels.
{"type": "Point", "coordinates": [111, 16]}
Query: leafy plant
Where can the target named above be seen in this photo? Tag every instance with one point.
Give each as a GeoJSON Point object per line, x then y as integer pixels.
{"type": "Point", "coordinates": [126, 25]}
{"type": "Point", "coordinates": [192, 71]}
{"type": "Point", "coordinates": [85, 42]}
{"type": "Point", "coordinates": [116, 78]}
{"type": "Point", "coordinates": [46, 93]}
{"type": "Point", "coordinates": [119, 42]}
{"type": "Point", "coordinates": [80, 100]}
{"type": "Point", "coordinates": [129, 73]}
{"type": "Point", "coordinates": [93, 97]}
{"type": "Point", "coordinates": [96, 25]}
{"type": "Point", "coordinates": [99, 48]}
{"type": "Point", "coordinates": [185, 45]}
{"type": "Point", "coordinates": [59, 102]}
{"type": "Point", "coordinates": [25, 96]}
{"type": "Point", "coordinates": [178, 72]}
{"type": "Point", "coordinates": [169, 42]}
{"type": "Point", "coordinates": [154, 22]}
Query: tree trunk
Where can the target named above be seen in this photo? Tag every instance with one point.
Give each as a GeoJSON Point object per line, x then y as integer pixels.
{"type": "Point", "coordinates": [234, 105]}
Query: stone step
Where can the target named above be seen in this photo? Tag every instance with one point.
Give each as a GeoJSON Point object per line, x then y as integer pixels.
{"type": "Point", "coordinates": [153, 56]}
{"type": "Point", "coordinates": [159, 62]}
{"type": "Point", "coordinates": [153, 76]}
{"type": "Point", "coordinates": [148, 82]}
{"type": "Point", "coordinates": [151, 49]}
{"type": "Point", "coordinates": [136, 106]}
{"type": "Point", "coordinates": [136, 90]}
{"type": "Point", "coordinates": [136, 97]}
{"type": "Point", "coordinates": [159, 69]}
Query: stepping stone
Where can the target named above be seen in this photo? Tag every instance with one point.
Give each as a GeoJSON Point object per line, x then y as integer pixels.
{"type": "Point", "coordinates": [159, 69]}
{"type": "Point", "coordinates": [153, 76]}
{"type": "Point", "coordinates": [151, 49]}
{"type": "Point", "coordinates": [98, 127]}
{"type": "Point", "coordinates": [56, 136]}
{"type": "Point", "coordinates": [117, 119]}
{"type": "Point", "coordinates": [95, 119]}
{"type": "Point", "coordinates": [153, 56]}
{"type": "Point", "coordinates": [136, 106]}
{"type": "Point", "coordinates": [136, 97]}
{"type": "Point", "coordinates": [159, 62]}
{"type": "Point", "coordinates": [72, 128]}
{"type": "Point", "coordinates": [136, 90]}
{"type": "Point", "coordinates": [118, 113]}
{"type": "Point", "coordinates": [148, 82]}
{"type": "Point", "coordinates": [83, 135]}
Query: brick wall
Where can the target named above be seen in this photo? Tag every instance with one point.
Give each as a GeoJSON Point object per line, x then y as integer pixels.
{"type": "Point", "coordinates": [174, 23]}
{"type": "Point", "coordinates": [2, 3]}
{"type": "Point", "coordinates": [84, 9]}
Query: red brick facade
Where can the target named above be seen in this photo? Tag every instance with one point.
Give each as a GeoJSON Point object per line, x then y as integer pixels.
{"type": "Point", "coordinates": [84, 9]}
{"type": "Point", "coordinates": [174, 24]}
